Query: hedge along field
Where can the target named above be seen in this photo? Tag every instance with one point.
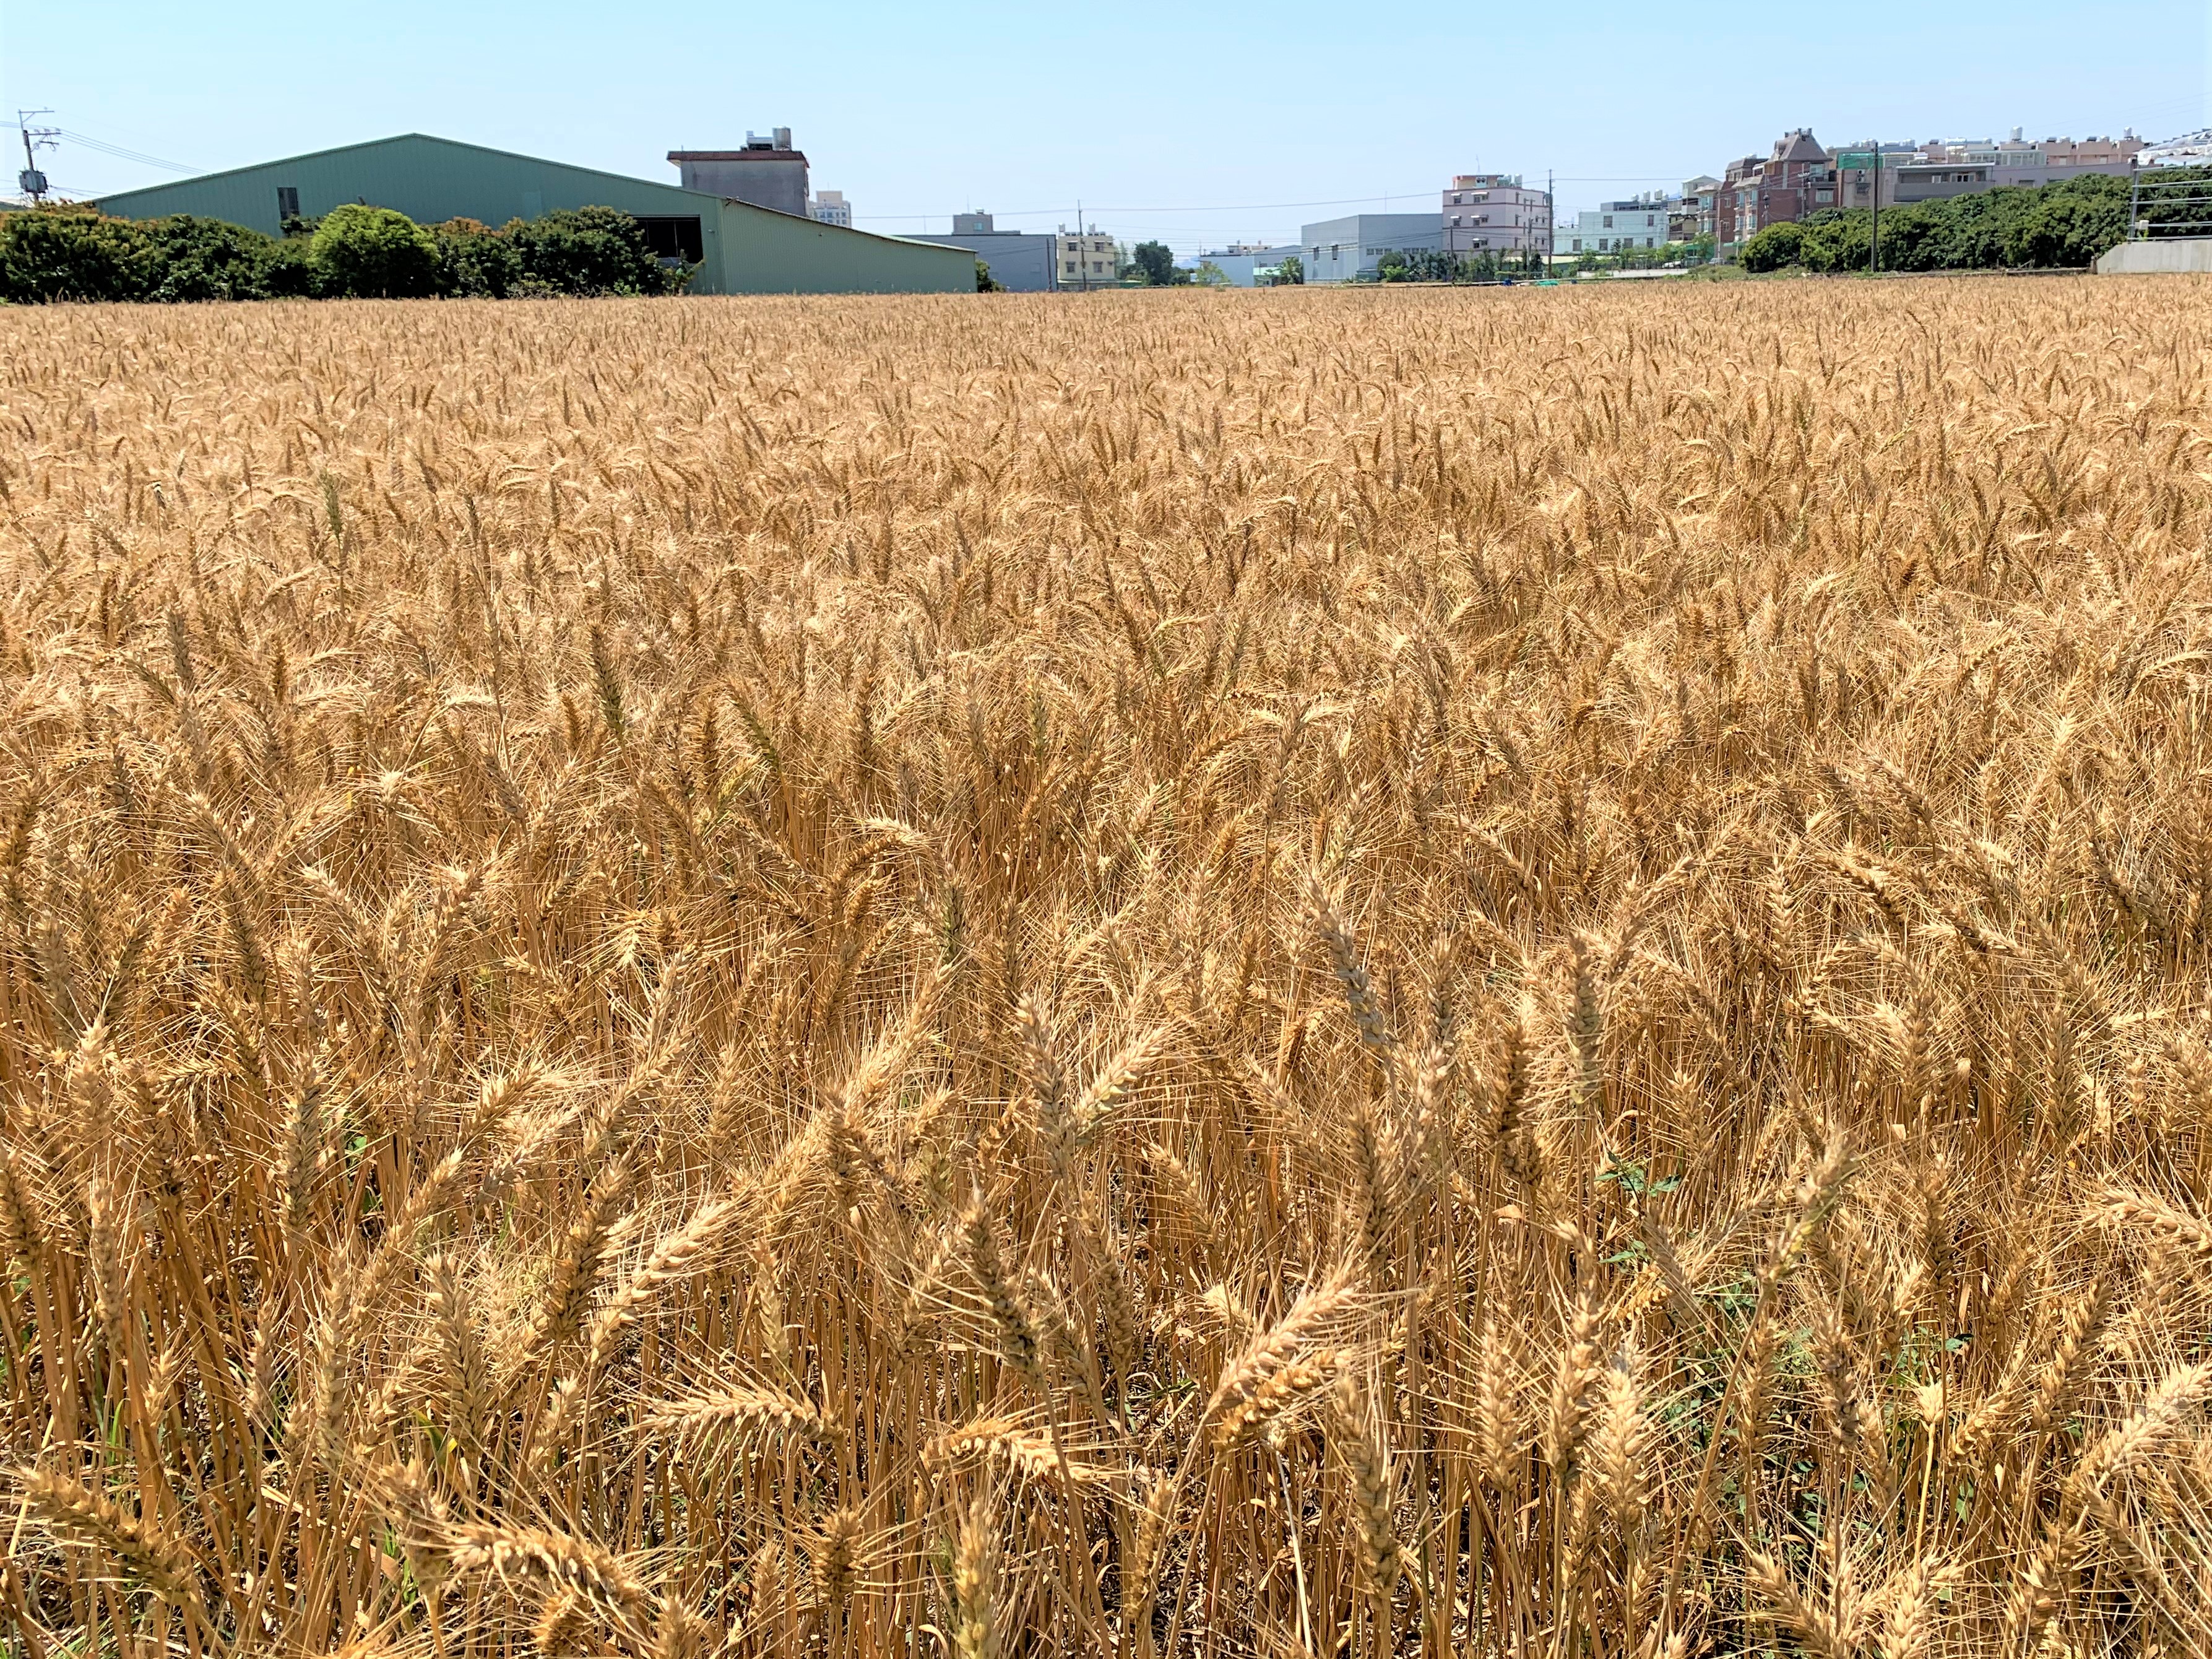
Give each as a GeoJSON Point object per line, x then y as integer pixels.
{"type": "Point", "coordinates": [1518, 972]}
{"type": "Point", "coordinates": [72, 253]}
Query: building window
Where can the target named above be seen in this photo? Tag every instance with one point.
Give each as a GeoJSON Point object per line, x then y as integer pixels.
{"type": "Point", "coordinates": [288, 202]}
{"type": "Point", "coordinates": [673, 237]}
{"type": "Point", "coordinates": [1609, 222]}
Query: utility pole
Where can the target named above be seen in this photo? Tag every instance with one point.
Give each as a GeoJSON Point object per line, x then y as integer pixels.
{"type": "Point", "coordinates": [1874, 221]}
{"type": "Point", "coordinates": [31, 181]}
{"type": "Point", "coordinates": [1082, 271]}
{"type": "Point", "coordinates": [1551, 226]}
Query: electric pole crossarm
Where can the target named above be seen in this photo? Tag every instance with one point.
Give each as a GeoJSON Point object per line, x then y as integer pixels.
{"type": "Point", "coordinates": [31, 181]}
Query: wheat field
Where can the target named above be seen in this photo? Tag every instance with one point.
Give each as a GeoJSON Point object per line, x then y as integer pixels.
{"type": "Point", "coordinates": [1506, 973]}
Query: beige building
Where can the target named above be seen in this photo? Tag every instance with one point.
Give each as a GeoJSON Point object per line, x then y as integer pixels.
{"type": "Point", "coordinates": [1087, 259]}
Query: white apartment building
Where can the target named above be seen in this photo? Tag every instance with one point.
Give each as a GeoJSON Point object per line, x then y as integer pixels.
{"type": "Point", "coordinates": [1495, 213]}
{"type": "Point", "coordinates": [1616, 227]}
{"type": "Point", "coordinates": [829, 207]}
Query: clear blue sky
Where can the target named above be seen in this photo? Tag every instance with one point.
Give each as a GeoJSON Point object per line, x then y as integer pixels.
{"type": "Point", "coordinates": [1198, 123]}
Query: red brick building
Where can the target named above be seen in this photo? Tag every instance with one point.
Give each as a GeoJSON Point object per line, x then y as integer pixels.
{"type": "Point", "coordinates": [1797, 178]}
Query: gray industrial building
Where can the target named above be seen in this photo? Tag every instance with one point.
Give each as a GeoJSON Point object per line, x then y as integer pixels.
{"type": "Point", "coordinates": [767, 172]}
{"type": "Point", "coordinates": [739, 248]}
{"type": "Point", "coordinates": [1343, 250]}
{"type": "Point", "coordinates": [1020, 261]}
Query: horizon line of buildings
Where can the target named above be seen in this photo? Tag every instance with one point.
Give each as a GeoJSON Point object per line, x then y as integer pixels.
{"type": "Point", "coordinates": [1503, 216]}
{"type": "Point", "coordinates": [1498, 213]}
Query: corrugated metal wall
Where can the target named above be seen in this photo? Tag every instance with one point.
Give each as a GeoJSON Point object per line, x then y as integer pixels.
{"type": "Point", "coordinates": [768, 252]}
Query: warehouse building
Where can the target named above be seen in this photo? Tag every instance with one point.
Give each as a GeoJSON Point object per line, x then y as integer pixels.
{"type": "Point", "coordinates": [1348, 249]}
{"type": "Point", "coordinates": [1018, 261]}
{"type": "Point", "coordinates": [739, 247]}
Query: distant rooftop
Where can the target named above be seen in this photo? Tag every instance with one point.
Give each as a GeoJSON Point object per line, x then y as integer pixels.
{"type": "Point", "coordinates": [750, 152]}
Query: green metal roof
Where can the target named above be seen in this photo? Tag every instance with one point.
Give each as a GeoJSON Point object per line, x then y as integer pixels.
{"type": "Point", "coordinates": [117, 202]}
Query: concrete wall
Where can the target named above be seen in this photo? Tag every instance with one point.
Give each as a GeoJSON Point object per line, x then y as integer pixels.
{"type": "Point", "coordinates": [747, 250]}
{"type": "Point", "coordinates": [767, 178]}
{"type": "Point", "coordinates": [2180, 253]}
{"type": "Point", "coordinates": [1020, 262]}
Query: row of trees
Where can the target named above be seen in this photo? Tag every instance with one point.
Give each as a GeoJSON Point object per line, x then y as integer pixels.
{"type": "Point", "coordinates": [353, 251]}
{"type": "Point", "coordinates": [1432, 266]}
{"type": "Point", "coordinates": [2062, 226]}
{"type": "Point", "coordinates": [1693, 251]}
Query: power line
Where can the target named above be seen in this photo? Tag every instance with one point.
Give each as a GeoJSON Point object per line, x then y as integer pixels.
{"type": "Point", "coordinates": [1231, 207]}
{"type": "Point", "coordinates": [121, 153]}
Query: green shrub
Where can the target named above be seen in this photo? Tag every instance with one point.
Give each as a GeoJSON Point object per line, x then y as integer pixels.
{"type": "Point", "coordinates": [475, 261]}
{"type": "Point", "coordinates": [367, 253]}
{"type": "Point", "coordinates": [1774, 249]}
{"type": "Point", "coordinates": [588, 250]}
{"type": "Point", "coordinates": [72, 253]}
{"type": "Point", "coordinates": [290, 271]}
{"type": "Point", "coordinates": [79, 253]}
{"type": "Point", "coordinates": [2071, 227]}
{"type": "Point", "coordinates": [1155, 266]}
{"type": "Point", "coordinates": [206, 259]}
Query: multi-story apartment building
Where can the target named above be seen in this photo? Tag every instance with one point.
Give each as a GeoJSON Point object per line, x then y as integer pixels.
{"type": "Point", "coordinates": [831, 208]}
{"type": "Point", "coordinates": [1087, 259]}
{"type": "Point", "coordinates": [1617, 226]}
{"type": "Point", "coordinates": [1796, 177]}
{"type": "Point", "coordinates": [1495, 213]}
{"type": "Point", "coordinates": [1690, 214]}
